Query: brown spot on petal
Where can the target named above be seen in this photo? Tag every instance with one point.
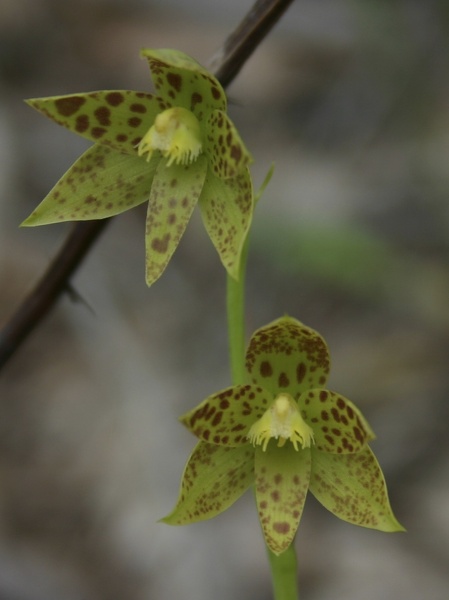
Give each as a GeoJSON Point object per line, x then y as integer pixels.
{"type": "Point", "coordinates": [82, 123]}
{"type": "Point", "coordinates": [301, 370]}
{"type": "Point", "coordinates": [283, 380]}
{"type": "Point", "coordinates": [358, 435]}
{"type": "Point", "coordinates": [103, 115]}
{"type": "Point", "coordinates": [134, 121]}
{"type": "Point", "coordinates": [196, 99]}
{"type": "Point", "coordinates": [161, 245]}
{"type": "Point", "coordinates": [97, 132]}
{"type": "Point", "coordinates": [215, 92]}
{"type": "Point", "coordinates": [115, 98]}
{"type": "Point", "coordinates": [69, 106]}
{"type": "Point", "coordinates": [236, 153]}
{"type": "Point", "coordinates": [266, 370]}
{"type": "Point", "coordinates": [281, 527]}
{"type": "Point", "coordinates": [138, 108]}
{"type": "Point", "coordinates": [217, 419]}
{"type": "Point", "coordinates": [175, 80]}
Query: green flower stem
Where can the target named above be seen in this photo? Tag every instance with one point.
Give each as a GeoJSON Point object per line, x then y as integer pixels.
{"type": "Point", "coordinates": [283, 567]}
{"type": "Point", "coordinates": [283, 572]}
{"type": "Point", "coordinates": [235, 301]}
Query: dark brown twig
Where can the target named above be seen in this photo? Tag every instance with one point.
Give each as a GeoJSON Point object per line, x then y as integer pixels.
{"type": "Point", "coordinates": [227, 63]}
{"type": "Point", "coordinates": [53, 283]}
{"type": "Point", "coordinates": [239, 46]}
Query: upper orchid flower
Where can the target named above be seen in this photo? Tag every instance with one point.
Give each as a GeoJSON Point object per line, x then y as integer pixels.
{"type": "Point", "coordinates": [174, 149]}
{"type": "Point", "coordinates": [286, 434]}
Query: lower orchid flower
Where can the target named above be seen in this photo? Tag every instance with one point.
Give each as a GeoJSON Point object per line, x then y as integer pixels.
{"type": "Point", "coordinates": [286, 434]}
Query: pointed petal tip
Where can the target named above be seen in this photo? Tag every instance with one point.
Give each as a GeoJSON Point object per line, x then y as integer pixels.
{"type": "Point", "coordinates": [34, 221]}
{"type": "Point", "coordinates": [167, 520]}
{"type": "Point", "coordinates": [393, 526]}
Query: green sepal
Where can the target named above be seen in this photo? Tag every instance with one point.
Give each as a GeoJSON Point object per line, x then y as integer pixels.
{"type": "Point", "coordinates": [225, 418]}
{"type": "Point", "coordinates": [116, 118]}
{"type": "Point", "coordinates": [213, 479]}
{"type": "Point", "coordinates": [353, 488]}
{"type": "Point", "coordinates": [227, 153]}
{"type": "Point", "coordinates": [287, 356]}
{"type": "Point", "coordinates": [100, 184]}
{"type": "Point", "coordinates": [227, 209]}
{"type": "Point", "coordinates": [338, 426]}
{"type": "Point", "coordinates": [265, 182]}
{"type": "Point", "coordinates": [174, 194]}
{"type": "Point", "coordinates": [281, 481]}
{"type": "Point", "coordinates": [182, 81]}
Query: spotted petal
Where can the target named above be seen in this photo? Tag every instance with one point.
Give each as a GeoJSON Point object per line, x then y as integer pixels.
{"type": "Point", "coordinates": [115, 118]}
{"type": "Point", "coordinates": [180, 80]}
{"type": "Point", "coordinates": [101, 183]}
{"type": "Point", "coordinates": [214, 478]}
{"type": "Point", "coordinates": [227, 153]}
{"type": "Point", "coordinates": [287, 356]}
{"type": "Point", "coordinates": [338, 426]}
{"type": "Point", "coordinates": [174, 193]}
{"type": "Point", "coordinates": [227, 210]}
{"type": "Point", "coordinates": [226, 417]}
{"type": "Point", "coordinates": [282, 479]}
{"type": "Point", "coordinates": [352, 487]}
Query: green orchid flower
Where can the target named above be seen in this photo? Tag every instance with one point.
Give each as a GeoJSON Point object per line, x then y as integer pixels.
{"type": "Point", "coordinates": [175, 149]}
{"type": "Point", "coordinates": [284, 433]}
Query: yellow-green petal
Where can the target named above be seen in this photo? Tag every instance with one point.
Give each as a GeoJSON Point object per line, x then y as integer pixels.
{"type": "Point", "coordinates": [115, 118]}
{"type": "Point", "coordinates": [287, 356]}
{"type": "Point", "coordinates": [353, 488]}
{"type": "Point", "coordinates": [281, 479]}
{"type": "Point", "coordinates": [338, 426]}
{"type": "Point", "coordinates": [227, 153]}
{"type": "Point", "coordinates": [225, 418]}
{"type": "Point", "coordinates": [214, 478]}
{"type": "Point", "coordinates": [100, 184]}
{"type": "Point", "coordinates": [227, 209]}
{"type": "Point", "coordinates": [174, 194]}
{"type": "Point", "coordinates": [180, 80]}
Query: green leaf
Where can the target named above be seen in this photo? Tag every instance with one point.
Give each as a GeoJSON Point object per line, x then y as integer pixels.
{"type": "Point", "coordinates": [174, 194]}
{"type": "Point", "coordinates": [282, 479]}
{"type": "Point", "coordinates": [352, 487]}
{"type": "Point", "coordinates": [100, 184]}
{"type": "Point", "coordinates": [227, 153]}
{"type": "Point", "coordinates": [338, 426]}
{"type": "Point", "coordinates": [226, 417]}
{"type": "Point", "coordinates": [287, 356]}
{"type": "Point", "coordinates": [227, 210]}
{"type": "Point", "coordinates": [182, 81]}
{"type": "Point", "coordinates": [115, 118]}
{"type": "Point", "coordinates": [214, 478]}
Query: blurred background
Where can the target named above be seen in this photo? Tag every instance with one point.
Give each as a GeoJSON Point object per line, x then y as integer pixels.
{"type": "Point", "coordinates": [350, 99]}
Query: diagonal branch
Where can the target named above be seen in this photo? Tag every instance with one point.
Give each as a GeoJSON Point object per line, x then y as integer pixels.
{"type": "Point", "coordinates": [242, 42]}
{"type": "Point", "coordinates": [227, 63]}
